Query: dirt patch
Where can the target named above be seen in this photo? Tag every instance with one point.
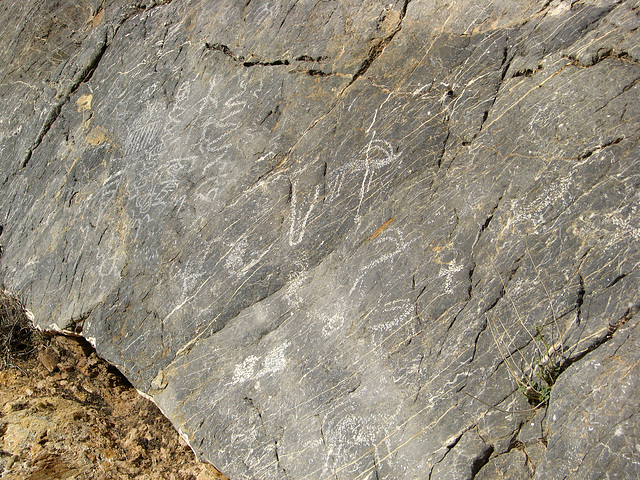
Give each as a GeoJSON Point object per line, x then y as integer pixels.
{"type": "Point", "coordinates": [17, 336]}
{"type": "Point", "coordinates": [67, 414]}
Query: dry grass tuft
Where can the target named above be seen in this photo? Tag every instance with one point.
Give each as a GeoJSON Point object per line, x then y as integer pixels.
{"type": "Point", "coordinates": [17, 332]}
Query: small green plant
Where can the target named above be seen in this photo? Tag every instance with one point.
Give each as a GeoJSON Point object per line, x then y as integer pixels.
{"type": "Point", "coordinates": [16, 331]}
{"type": "Point", "coordinates": [537, 385]}
{"type": "Point", "coordinates": [535, 376]}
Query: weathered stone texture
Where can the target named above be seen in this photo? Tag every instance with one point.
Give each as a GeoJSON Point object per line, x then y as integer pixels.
{"type": "Point", "coordinates": [332, 238]}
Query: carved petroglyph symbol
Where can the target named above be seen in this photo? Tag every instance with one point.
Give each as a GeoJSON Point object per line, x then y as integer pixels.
{"type": "Point", "coordinates": [298, 221]}
{"type": "Point", "coordinates": [332, 323]}
{"type": "Point", "coordinates": [241, 259]}
{"type": "Point", "coordinates": [234, 261]}
{"type": "Point", "coordinates": [533, 212]}
{"type": "Point", "coordinates": [142, 133]}
{"type": "Point", "coordinates": [297, 279]}
{"type": "Point", "coordinates": [398, 310]}
{"type": "Point", "coordinates": [153, 186]}
{"type": "Point", "coordinates": [625, 226]}
{"type": "Point", "coordinates": [399, 245]}
{"type": "Point", "coordinates": [245, 371]}
{"type": "Point", "coordinates": [254, 367]}
{"type": "Point", "coordinates": [352, 431]}
{"type": "Point", "coordinates": [377, 154]}
{"type": "Point", "coordinates": [448, 272]}
{"type": "Point", "coordinates": [157, 130]}
{"type": "Point", "coordinates": [264, 12]}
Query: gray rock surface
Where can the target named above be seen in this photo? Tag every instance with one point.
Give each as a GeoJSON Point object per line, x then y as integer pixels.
{"type": "Point", "coordinates": [340, 239]}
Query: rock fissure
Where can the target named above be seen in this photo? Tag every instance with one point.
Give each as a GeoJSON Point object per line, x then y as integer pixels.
{"type": "Point", "coordinates": [483, 327]}
{"type": "Point", "coordinates": [252, 60]}
{"type": "Point", "coordinates": [599, 339]}
{"type": "Point", "coordinates": [622, 276]}
{"type": "Point", "coordinates": [580, 299]}
{"type": "Point", "coordinates": [486, 223]}
{"type": "Point", "coordinates": [600, 56]}
{"type": "Point", "coordinates": [83, 76]}
{"type": "Point", "coordinates": [481, 460]}
{"type": "Point", "coordinates": [624, 90]}
{"type": "Point", "coordinates": [588, 153]}
{"type": "Point", "coordinates": [378, 47]}
{"type": "Point", "coordinates": [504, 68]}
{"type": "Point", "coordinates": [449, 446]}
{"type": "Point", "coordinates": [46, 126]}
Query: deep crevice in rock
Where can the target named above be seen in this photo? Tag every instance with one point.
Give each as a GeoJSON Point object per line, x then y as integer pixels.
{"type": "Point", "coordinates": [600, 56]}
{"type": "Point", "coordinates": [251, 61]}
{"type": "Point", "coordinates": [480, 461]}
{"type": "Point", "coordinates": [83, 77]}
{"type": "Point", "coordinates": [254, 61]}
{"type": "Point", "coordinates": [591, 151]}
{"type": "Point", "coordinates": [378, 47]}
{"type": "Point", "coordinates": [610, 331]}
{"type": "Point", "coordinates": [580, 299]}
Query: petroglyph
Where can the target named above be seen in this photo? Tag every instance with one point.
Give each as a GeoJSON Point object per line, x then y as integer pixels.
{"type": "Point", "coordinates": [332, 323]}
{"type": "Point", "coordinates": [298, 220]}
{"type": "Point", "coordinates": [448, 272]}
{"type": "Point", "coordinates": [254, 367]}
{"type": "Point", "coordinates": [296, 239]}
{"type": "Point", "coordinates": [234, 260]}
{"type": "Point", "coordinates": [390, 238]}
{"type": "Point", "coordinates": [393, 314]}
{"type": "Point", "coordinates": [298, 278]}
{"type": "Point", "coordinates": [377, 154]}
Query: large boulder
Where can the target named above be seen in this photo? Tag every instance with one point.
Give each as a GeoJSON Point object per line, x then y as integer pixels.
{"type": "Point", "coordinates": [350, 240]}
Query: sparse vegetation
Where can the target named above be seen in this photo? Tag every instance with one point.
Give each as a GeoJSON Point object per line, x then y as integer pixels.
{"type": "Point", "coordinates": [16, 331]}
{"type": "Point", "coordinates": [537, 385]}
{"type": "Point", "coordinates": [66, 413]}
{"type": "Point", "coordinates": [535, 375]}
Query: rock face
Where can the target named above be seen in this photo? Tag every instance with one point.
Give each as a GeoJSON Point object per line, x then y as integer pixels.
{"type": "Point", "coordinates": [350, 240]}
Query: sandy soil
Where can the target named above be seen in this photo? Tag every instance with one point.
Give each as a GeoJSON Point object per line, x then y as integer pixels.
{"type": "Point", "coordinates": [66, 414]}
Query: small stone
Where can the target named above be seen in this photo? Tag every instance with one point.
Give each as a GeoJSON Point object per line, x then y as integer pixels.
{"type": "Point", "coordinates": [87, 386]}
{"type": "Point", "coordinates": [93, 360]}
{"type": "Point", "coordinates": [16, 405]}
{"type": "Point", "coordinates": [66, 367]}
{"type": "Point", "coordinates": [36, 449]}
{"type": "Point", "coordinates": [12, 460]}
{"type": "Point", "coordinates": [49, 359]}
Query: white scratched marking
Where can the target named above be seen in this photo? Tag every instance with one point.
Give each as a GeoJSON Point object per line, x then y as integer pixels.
{"type": "Point", "coordinates": [297, 231]}
{"type": "Point", "coordinates": [377, 154]}
{"type": "Point", "coordinates": [400, 311]}
{"type": "Point", "coordinates": [448, 272]}
{"type": "Point", "coordinates": [331, 324]}
{"type": "Point", "coordinates": [399, 247]}
{"type": "Point", "coordinates": [375, 115]}
{"type": "Point", "coordinates": [373, 163]}
{"type": "Point", "coordinates": [273, 362]}
{"type": "Point", "coordinates": [244, 371]}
